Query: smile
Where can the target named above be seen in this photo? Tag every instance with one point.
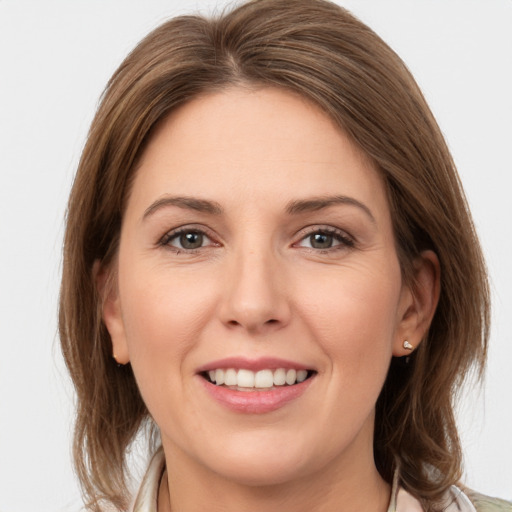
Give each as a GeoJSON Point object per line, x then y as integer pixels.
{"type": "Point", "coordinates": [255, 386]}
{"type": "Point", "coordinates": [248, 380]}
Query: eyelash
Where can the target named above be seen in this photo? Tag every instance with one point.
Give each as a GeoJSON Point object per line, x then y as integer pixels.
{"type": "Point", "coordinates": [166, 240]}
{"type": "Point", "coordinates": [345, 240]}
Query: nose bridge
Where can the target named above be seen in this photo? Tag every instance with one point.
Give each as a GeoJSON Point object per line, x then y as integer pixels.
{"type": "Point", "coordinates": [255, 298]}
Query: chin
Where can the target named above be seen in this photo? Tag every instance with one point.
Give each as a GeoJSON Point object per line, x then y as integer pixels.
{"type": "Point", "coordinates": [262, 473]}
{"type": "Point", "coordinates": [261, 463]}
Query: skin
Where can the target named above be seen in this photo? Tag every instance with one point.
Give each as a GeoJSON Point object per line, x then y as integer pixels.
{"type": "Point", "coordinates": [259, 285]}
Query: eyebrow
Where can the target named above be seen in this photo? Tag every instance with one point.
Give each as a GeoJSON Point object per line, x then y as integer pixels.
{"type": "Point", "coordinates": [319, 203]}
{"type": "Point", "coordinates": [292, 208]}
{"type": "Point", "coordinates": [187, 203]}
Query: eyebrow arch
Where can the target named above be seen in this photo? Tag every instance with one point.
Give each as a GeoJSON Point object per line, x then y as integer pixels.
{"type": "Point", "coordinates": [319, 203]}
{"type": "Point", "coordinates": [187, 203]}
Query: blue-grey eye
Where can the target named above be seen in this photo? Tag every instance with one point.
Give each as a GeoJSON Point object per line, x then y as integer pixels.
{"type": "Point", "coordinates": [321, 240]}
{"type": "Point", "coordinates": [191, 240]}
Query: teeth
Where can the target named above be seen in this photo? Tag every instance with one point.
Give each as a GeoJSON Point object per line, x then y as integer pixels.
{"type": "Point", "coordinates": [230, 378]}
{"type": "Point", "coordinates": [263, 379]}
{"type": "Point", "coordinates": [280, 377]}
{"type": "Point", "coordinates": [245, 379]}
{"type": "Point", "coordinates": [291, 377]}
{"type": "Point", "coordinates": [219, 377]}
{"type": "Point", "coordinates": [301, 375]}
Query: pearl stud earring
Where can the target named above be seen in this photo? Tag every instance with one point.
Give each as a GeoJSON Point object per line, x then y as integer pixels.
{"type": "Point", "coordinates": [407, 345]}
{"type": "Point", "coordinates": [117, 362]}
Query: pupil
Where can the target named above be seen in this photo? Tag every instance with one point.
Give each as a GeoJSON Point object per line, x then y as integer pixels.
{"type": "Point", "coordinates": [321, 241]}
{"type": "Point", "coordinates": [191, 240]}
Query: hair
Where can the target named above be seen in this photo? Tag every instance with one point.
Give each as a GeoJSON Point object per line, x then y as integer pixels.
{"type": "Point", "coordinates": [320, 51]}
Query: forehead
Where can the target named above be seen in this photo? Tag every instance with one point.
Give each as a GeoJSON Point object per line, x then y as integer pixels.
{"type": "Point", "coordinates": [266, 143]}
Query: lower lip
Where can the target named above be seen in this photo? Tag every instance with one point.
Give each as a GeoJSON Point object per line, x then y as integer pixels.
{"type": "Point", "coordinates": [256, 402]}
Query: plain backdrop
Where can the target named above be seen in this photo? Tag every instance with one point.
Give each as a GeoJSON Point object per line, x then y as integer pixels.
{"type": "Point", "coordinates": [56, 57]}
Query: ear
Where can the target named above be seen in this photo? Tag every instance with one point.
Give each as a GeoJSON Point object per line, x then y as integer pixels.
{"type": "Point", "coordinates": [105, 280]}
{"type": "Point", "coordinates": [418, 303]}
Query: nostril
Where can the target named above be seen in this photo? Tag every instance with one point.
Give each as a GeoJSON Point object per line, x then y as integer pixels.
{"type": "Point", "coordinates": [236, 323]}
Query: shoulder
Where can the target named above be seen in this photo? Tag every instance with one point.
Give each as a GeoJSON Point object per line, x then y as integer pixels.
{"type": "Point", "coordinates": [455, 500]}
{"type": "Point", "coordinates": [484, 503]}
{"type": "Point", "coordinates": [469, 500]}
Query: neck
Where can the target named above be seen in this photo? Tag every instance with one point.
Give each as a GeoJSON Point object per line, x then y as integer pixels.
{"type": "Point", "coordinates": [336, 487]}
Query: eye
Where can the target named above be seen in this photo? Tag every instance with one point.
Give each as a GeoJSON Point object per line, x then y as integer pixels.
{"type": "Point", "coordinates": [324, 239]}
{"type": "Point", "coordinates": [186, 239]}
{"type": "Point", "coordinates": [191, 240]}
{"type": "Point", "coordinates": [321, 240]}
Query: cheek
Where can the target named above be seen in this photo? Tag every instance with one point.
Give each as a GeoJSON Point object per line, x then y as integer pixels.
{"type": "Point", "coordinates": [164, 313]}
{"type": "Point", "coordinates": [164, 316]}
{"type": "Point", "coordinates": [353, 315]}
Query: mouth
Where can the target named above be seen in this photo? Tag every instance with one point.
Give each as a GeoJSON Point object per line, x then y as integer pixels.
{"type": "Point", "coordinates": [256, 386]}
{"type": "Point", "coordinates": [262, 380]}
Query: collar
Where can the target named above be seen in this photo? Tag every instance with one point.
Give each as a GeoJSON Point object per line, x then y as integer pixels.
{"type": "Point", "coordinates": [147, 497]}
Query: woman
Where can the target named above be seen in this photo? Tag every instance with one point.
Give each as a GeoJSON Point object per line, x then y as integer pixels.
{"type": "Point", "coordinates": [270, 259]}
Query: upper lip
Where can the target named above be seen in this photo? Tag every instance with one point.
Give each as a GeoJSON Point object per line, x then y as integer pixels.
{"type": "Point", "coordinates": [262, 363]}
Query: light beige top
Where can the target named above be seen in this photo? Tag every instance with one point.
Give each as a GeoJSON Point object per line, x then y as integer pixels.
{"type": "Point", "coordinates": [401, 501]}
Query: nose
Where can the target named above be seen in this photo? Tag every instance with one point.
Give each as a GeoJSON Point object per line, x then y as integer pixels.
{"type": "Point", "coordinates": [255, 297]}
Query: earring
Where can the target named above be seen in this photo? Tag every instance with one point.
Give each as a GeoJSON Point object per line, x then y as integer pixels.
{"type": "Point", "coordinates": [407, 345]}
{"type": "Point", "coordinates": [117, 362]}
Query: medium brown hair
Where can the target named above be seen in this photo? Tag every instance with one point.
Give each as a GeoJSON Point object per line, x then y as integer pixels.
{"type": "Point", "coordinates": [320, 51]}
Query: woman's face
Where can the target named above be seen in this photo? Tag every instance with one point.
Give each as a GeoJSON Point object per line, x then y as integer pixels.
{"type": "Point", "coordinates": [257, 248]}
